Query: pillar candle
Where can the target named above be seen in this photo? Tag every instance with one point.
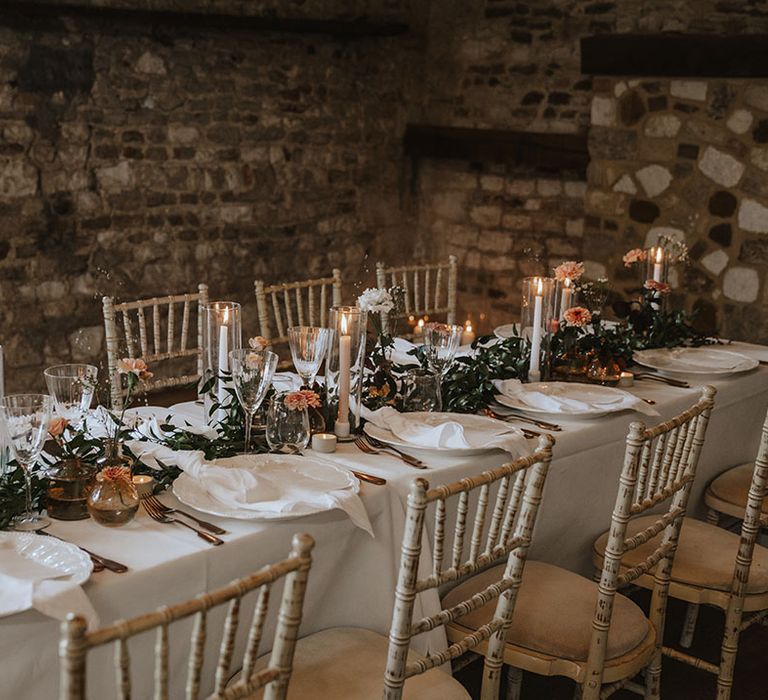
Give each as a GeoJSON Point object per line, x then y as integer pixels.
{"type": "Point", "coordinates": [534, 373]}
{"type": "Point", "coordinates": [345, 361]}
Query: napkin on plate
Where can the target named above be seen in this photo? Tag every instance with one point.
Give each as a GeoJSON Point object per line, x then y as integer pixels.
{"type": "Point", "coordinates": [449, 431]}
{"type": "Point", "coordinates": [26, 584]}
{"type": "Point", "coordinates": [563, 398]}
{"type": "Point", "coordinates": [262, 482]}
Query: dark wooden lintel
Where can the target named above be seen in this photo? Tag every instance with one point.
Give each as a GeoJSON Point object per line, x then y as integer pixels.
{"type": "Point", "coordinates": [540, 151]}
{"type": "Point", "coordinates": [676, 55]}
{"type": "Point", "coordinates": [37, 11]}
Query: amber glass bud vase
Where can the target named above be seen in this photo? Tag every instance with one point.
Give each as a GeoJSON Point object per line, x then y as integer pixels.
{"type": "Point", "coordinates": [113, 501]}
{"type": "Point", "coordinates": [69, 484]}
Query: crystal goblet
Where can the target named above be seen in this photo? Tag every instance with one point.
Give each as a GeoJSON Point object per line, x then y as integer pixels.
{"type": "Point", "coordinates": [308, 347]}
{"type": "Point", "coordinates": [72, 387]}
{"type": "Point", "coordinates": [441, 341]}
{"type": "Point", "coordinates": [252, 372]}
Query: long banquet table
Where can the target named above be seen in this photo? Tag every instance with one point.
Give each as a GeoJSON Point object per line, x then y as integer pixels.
{"type": "Point", "coordinates": [353, 575]}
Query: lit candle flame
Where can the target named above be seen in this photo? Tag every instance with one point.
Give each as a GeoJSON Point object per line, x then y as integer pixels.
{"type": "Point", "coordinates": [225, 318]}
{"type": "Point", "coordinates": [539, 286]}
{"type": "Point", "coordinates": [659, 254]}
{"type": "Point", "coordinates": [344, 324]}
{"type": "Point", "coordinates": [567, 282]}
{"type": "Point", "coordinates": [421, 323]}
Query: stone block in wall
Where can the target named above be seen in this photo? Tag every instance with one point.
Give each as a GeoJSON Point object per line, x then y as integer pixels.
{"type": "Point", "coordinates": [721, 167]}
{"type": "Point", "coordinates": [741, 284]}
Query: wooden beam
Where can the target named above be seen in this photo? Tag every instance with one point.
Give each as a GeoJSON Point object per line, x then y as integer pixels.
{"type": "Point", "coordinates": [38, 11]}
{"type": "Point", "coordinates": [542, 151]}
{"type": "Point", "coordinates": [676, 55]}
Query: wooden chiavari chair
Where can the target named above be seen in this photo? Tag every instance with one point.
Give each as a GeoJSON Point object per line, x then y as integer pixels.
{"type": "Point", "coordinates": [274, 676]}
{"type": "Point", "coordinates": [357, 664]}
{"type": "Point", "coordinates": [725, 570]}
{"type": "Point", "coordinates": [156, 342]}
{"type": "Point", "coordinates": [428, 289]}
{"type": "Point", "coordinates": [567, 625]}
{"type": "Point", "coordinates": [305, 303]}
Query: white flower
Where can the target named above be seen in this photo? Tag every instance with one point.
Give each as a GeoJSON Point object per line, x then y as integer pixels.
{"type": "Point", "coordinates": [376, 301]}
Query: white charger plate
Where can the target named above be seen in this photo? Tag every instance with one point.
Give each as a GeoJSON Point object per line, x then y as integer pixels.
{"type": "Point", "coordinates": [679, 361]}
{"type": "Point", "coordinates": [435, 418]}
{"type": "Point", "coordinates": [191, 492]}
{"type": "Point", "coordinates": [50, 551]}
{"type": "Point", "coordinates": [593, 393]}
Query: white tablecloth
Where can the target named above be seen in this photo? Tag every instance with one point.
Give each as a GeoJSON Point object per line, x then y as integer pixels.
{"type": "Point", "coordinates": [353, 576]}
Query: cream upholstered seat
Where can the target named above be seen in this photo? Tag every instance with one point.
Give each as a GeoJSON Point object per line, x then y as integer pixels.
{"type": "Point", "coordinates": [348, 663]}
{"type": "Point", "coordinates": [716, 567]}
{"type": "Point", "coordinates": [704, 559]}
{"type": "Point", "coordinates": [359, 664]}
{"type": "Point", "coordinates": [566, 625]}
{"type": "Point", "coordinates": [727, 493]}
{"type": "Point", "coordinates": [553, 615]}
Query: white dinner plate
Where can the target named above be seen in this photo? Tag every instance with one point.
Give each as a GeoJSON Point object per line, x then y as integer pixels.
{"type": "Point", "coordinates": [701, 362]}
{"type": "Point", "coordinates": [50, 551]}
{"type": "Point", "coordinates": [389, 438]}
{"type": "Point", "coordinates": [508, 330]}
{"type": "Point", "coordinates": [191, 492]}
{"type": "Point", "coordinates": [604, 399]}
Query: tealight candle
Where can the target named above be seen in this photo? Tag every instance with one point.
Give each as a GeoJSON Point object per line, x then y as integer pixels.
{"type": "Point", "coordinates": [324, 442]}
{"type": "Point", "coordinates": [468, 336]}
{"type": "Point", "coordinates": [627, 379]}
{"type": "Point", "coordinates": [144, 483]}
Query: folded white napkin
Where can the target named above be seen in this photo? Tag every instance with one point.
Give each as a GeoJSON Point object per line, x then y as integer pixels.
{"type": "Point", "coordinates": [565, 398]}
{"type": "Point", "coordinates": [26, 584]}
{"type": "Point", "coordinates": [265, 483]}
{"type": "Point", "coordinates": [400, 352]}
{"type": "Point", "coordinates": [449, 430]}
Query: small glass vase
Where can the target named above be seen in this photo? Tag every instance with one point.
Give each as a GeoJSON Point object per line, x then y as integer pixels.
{"type": "Point", "coordinates": [603, 371]}
{"type": "Point", "coordinates": [288, 428]}
{"type": "Point", "coordinates": [113, 456]}
{"type": "Point", "coordinates": [69, 484]}
{"type": "Point", "coordinates": [113, 501]}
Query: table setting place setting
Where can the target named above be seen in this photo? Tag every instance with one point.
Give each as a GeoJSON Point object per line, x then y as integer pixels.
{"type": "Point", "coordinates": [258, 444]}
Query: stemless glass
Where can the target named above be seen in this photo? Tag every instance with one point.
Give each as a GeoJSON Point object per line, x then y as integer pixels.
{"type": "Point", "coordinates": [441, 341]}
{"type": "Point", "coordinates": [72, 388]}
{"type": "Point", "coordinates": [287, 428]}
{"type": "Point", "coordinates": [26, 418]}
{"type": "Point", "coordinates": [252, 372]}
{"type": "Point", "coordinates": [308, 346]}
{"type": "Point", "coordinates": [421, 391]}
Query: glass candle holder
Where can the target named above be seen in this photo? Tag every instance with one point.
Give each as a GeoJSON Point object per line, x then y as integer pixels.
{"type": "Point", "coordinates": [222, 333]}
{"type": "Point", "coordinates": [343, 370]}
{"type": "Point", "coordinates": [537, 313]}
{"type": "Point", "coordinates": [657, 265]}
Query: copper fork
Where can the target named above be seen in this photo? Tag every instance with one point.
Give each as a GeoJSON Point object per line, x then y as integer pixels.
{"type": "Point", "coordinates": [368, 448]}
{"type": "Point", "coordinates": [159, 517]}
{"type": "Point", "coordinates": [167, 510]}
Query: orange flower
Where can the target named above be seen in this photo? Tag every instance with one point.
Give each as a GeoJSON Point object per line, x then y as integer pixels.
{"type": "Point", "coordinates": [577, 316]}
{"type": "Point", "coordinates": [137, 367]}
{"type": "Point", "coordinates": [633, 256]}
{"type": "Point", "coordinates": [313, 400]}
{"type": "Point", "coordinates": [296, 401]}
{"type": "Point", "coordinates": [57, 426]}
{"type": "Point", "coordinates": [116, 474]}
{"type": "Point", "coordinates": [258, 342]}
{"type": "Point", "coordinates": [570, 270]}
{"type": "Point", "coordinates": [661, 288]}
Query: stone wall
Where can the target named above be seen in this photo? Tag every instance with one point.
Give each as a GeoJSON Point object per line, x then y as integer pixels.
{"type": "Point", "coordinates": [139, 161]}
{"type": "Point", "coordinates": [686, 159]}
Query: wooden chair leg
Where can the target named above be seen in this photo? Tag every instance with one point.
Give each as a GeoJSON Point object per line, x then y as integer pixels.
{"type": "Point", "coordinates": [689, 626]}
{"type": "Point", "coordinates": [514, 683]}
{"type": "Point", "coordinates": [653, 678]}
{"type": "Point", "coordinates": [713, 517]}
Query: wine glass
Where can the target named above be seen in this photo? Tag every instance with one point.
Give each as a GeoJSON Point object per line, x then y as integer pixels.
{"type": "Point", "coordinates": [252, 372]}
{"type": "Point", "coordinates": [287, 425]}
{"type": "Point", "coordinates": [26, 418]}
{"type": "Point", "coordinates": [308, 346]}
{"type": "Point", "coordinates": [421, 391]}
{"type": "Point", "coordinates": [72, 387]}
{"type": "Point", "coordinates": [441, 342]}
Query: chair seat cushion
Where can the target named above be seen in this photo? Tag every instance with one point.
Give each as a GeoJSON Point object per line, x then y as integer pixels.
{"type": "Point", "coordinates": [348, 663]}
{"type": "Point", "coordinates": [733, 485]}
{"type": "Point", "coordinates": [553, 613]}
{"type": "Point", "coordinates": [705, 558]}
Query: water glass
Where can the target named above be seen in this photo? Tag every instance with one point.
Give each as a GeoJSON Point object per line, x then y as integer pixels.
{"type": "Point", "coordinates": [421, 391]}
{"type": "Point", "coordinates": [441, 341]}
{"type": "Point", "coordinates": [308, 348]}
{"type": "Point", "coordinates": [72, 387]}
{"type": "Point", "coordinates": [252, 372]}
{"type": "Point", "coordinates": [287, 426]}
{"type": "Point", "coordinates": [26, 418]}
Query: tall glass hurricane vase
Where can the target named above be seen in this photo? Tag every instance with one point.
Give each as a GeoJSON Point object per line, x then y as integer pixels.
{"type": "Point", "coordinates": [343, 370]}
{"type": "Point", "coordinates": [26, 418]}
{"type": "Point", "coordinates": [441, 341]}
{"type": "Point", "coordinates": [222, 333]}
{"type": "Point", "coordinates": [252, 372]}
{"type": "Point", "coordinates": [308, 347]}
{"type": "Point", "coordinates": [536, 316]}
{"type": "Point", "coordinates": [72, 387]}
